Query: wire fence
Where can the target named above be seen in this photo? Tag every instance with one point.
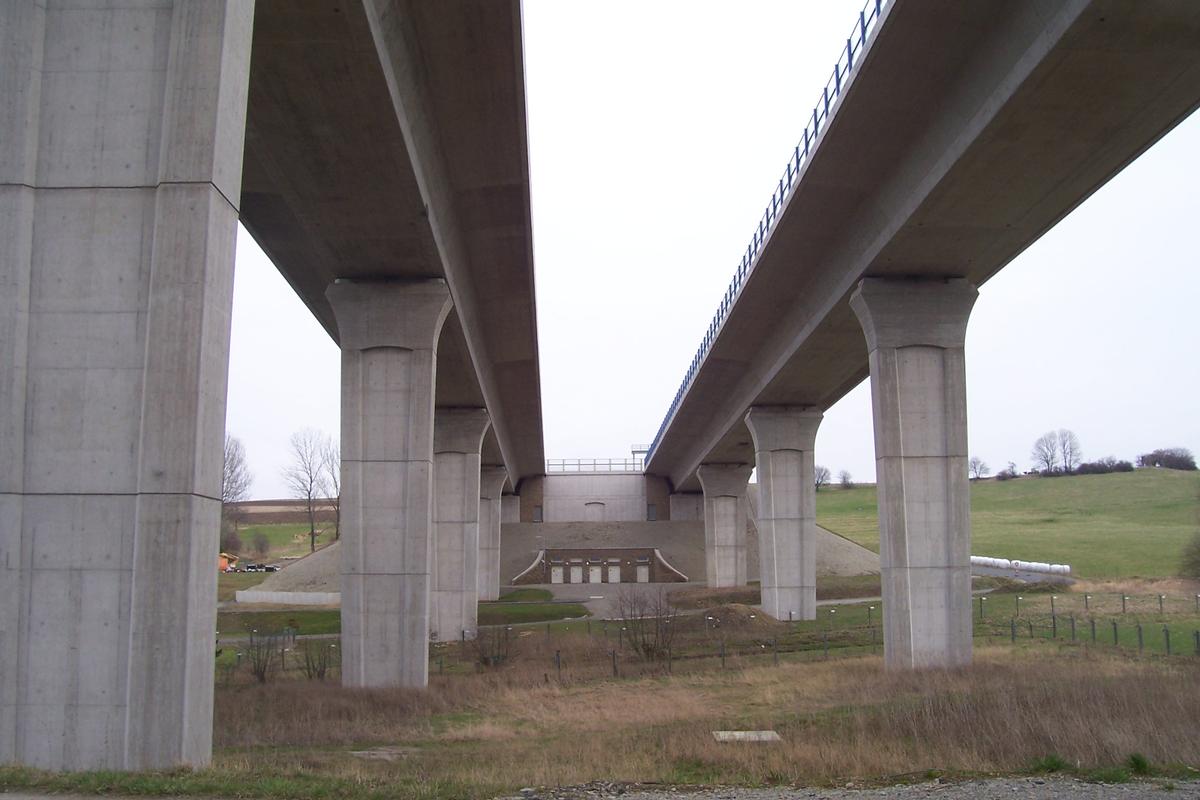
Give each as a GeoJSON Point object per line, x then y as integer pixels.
{"type": "Point", "coordinates": [848, 60]}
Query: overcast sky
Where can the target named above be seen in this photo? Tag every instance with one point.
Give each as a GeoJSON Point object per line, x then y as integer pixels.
{"type": "Point", "coordinates": [657, 131]}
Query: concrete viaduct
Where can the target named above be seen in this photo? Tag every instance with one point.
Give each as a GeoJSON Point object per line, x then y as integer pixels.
{"type": "Point", "coordinates": [951, 136]}
{"type": "Point", "coordinates": [377, 150]}
{"type": "Point", "coordinates": [385, 173]}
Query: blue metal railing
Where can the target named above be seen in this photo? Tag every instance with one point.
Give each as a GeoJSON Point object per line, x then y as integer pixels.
{"type": "Point", "coordinates": [851, 55]}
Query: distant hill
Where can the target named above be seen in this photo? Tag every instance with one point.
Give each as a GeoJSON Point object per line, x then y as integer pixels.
{"type": "Point", "coordinates": [1104, 526]}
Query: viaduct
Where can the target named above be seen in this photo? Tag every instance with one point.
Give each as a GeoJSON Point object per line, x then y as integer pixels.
{"type": "Point", "coordinates": [377, 151]}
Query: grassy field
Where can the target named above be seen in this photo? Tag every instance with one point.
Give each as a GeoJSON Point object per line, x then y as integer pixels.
{"type": "Point", "coordinates": [229, 583]}
{"type": "Point", "coordinates": [1040, 706]}
{"type": "Point", "coordinates": [1104, 526]}
{"type": "Point", "coordinates": [285, 539]}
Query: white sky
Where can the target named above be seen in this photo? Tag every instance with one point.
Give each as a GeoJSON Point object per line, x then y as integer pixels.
{"type": "Point", "coordinates": [657, 131]}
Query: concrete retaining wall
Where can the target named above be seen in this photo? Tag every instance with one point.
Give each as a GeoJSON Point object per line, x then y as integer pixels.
{"type": "Point", "coordinates": [289, 598]}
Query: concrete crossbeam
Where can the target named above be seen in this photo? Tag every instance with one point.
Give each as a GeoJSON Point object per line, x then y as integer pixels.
{"type": "Point", "coordinates": [457, 441]}
{"type": "Point", "coordinates": [388, 332]}
{"type": "Point", "coordinates": [915, 330]}
{"type": "Point", "coordinates": [787, 516]}
{"type": "Point", "coordinates": [725, 510]}
{"type": "Point", "coordinates": [121, 132]}
{"type": "Point", "coordinates": [491, 485]}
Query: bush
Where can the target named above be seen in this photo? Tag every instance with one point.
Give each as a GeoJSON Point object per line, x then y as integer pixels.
{"type": "Point", "coordinates": [1104, 466]}
{"type": "Point", "coordinates": [1190, 567]}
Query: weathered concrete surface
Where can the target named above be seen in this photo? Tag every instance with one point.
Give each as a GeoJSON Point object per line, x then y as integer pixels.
{"type": "Point", "coordinates": [120, 162]}
{"type": "Point", "coordinates": [915, 332]}
{"type": "Point", "coordinates": [786, 509]}
{"type": "Point", "coordinates": [725, 523]}
{"type": "Point", "coordinates": [457, 439]}
{"type": "Point", "coordinates": [491, 485]}
{"type": "Point", "coordinates": [387, 139]}
{"type": "Point", "coordinates": [389, 333]}
{"type": "Point", "coordinates": [1000, 118]}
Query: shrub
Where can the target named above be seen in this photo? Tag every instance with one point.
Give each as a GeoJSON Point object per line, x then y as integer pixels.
{"type": "Point", "coordinates": [1104, 466]}
{"type": "Point", "coordinates": [1050, 763]}
{"type": "Point", "coordinates": [1190, 568]}
{"type": "Point", "coordinates": [1138, 764]}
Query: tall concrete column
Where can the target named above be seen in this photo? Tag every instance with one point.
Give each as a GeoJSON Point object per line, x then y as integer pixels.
{"type": "Point", "coordinates": [915, 332]}
{"type": "Point", "coordinates": [388, 332]}
{"type": "Point", "coordinates": [491, 486]}
{"type": "Point", "coordinates": [121, 130]}
{"type": "Point", "coordinates": [457, 441]}
{"type": "Point", "coordinates": [724, 523]}
{"type": "Point", "coordinates": [787, 514]}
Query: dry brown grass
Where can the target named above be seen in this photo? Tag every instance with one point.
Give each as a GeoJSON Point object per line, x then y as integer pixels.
{"type": "Point", "coordinates": [1172, 587]}
{"type": "Point", "coordinates": [839, 719]}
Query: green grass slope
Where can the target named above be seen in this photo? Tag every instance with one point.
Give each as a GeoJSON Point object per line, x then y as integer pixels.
{"type": "Point", "coordinates": [1104, 526]}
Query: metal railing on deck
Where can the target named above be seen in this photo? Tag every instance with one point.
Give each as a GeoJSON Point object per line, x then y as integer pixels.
{"type": "Point", "coordinates": [851, 55]}
{"type": "Point", "coordinates": [557, 465]}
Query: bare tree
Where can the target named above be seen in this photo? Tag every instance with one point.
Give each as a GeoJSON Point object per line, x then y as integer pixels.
{"type": "Point", "coordinates": [978, 468]}
{"type": "Point", "coordinates": [331, 479]}
{"type": "Point", "coordinates": [1068, 450]}
{"type": "Point", "coordinates": [846, 479]}
{"type": "Point", "coordinates": [648, 622]}
{"type": "Point", "coordinates": [821, 476]}
{"type": "Point", "coordinates": [1045, 452]}
{"type": "Point", "coordinates": [235, 487]}
{"type": "Point", "coordinates": [305, 476]}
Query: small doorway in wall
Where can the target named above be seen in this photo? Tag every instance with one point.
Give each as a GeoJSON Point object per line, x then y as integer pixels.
{"type": "Point", "coordinates": [595, 573]}
{"type": "Point", "coordinates": [643, 573]}
{"type": "Point", "coordinates": [593, 512]}
{"type": "Point", "coordinates": [576, 573]}
{"type": "Point", "coordinates": [556, 574]}
{"type": "Point", "coordinates": [614, 572]}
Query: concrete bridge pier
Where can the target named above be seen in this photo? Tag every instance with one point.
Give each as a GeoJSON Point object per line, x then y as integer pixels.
{"type": "Point", "coordinates": [388, 332]}
{"type": "Point", "coordinates": [725, 509]}
{"type": "Point", "coordinates": [787, 516]}
{"type": "Point", "coordinates": [491, 487]}
{"type": "Point", "coordinates": [121, 133]}
{"type": "Point", "coordinates": [915, 331]}
{"type": "Point", "coordinates": [457, 442]}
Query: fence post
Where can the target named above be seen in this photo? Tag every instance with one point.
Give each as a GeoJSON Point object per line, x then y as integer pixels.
{"type": "Point", "coordinates": [775, 650]}
{"type": "Point", "coordinates": [825, 641]}
{"type": "Point", "coordinates": [1030, 629]}
{"type": "Point", "coordinates": [980, 607]}
{"type": "Point", "coordinates": [1092, 621]}
{"type": "Point", "coordinates": [1072, 627]}
{"type": "Point", "coordinates": [1124, 597]}
{"type": "Point", "coordinates": [547, 631]}
{"type": "Point", "coordinates": [1161, 598]}
{"type": "Point", "coordinates": [1139, 631]}
{"type": "Point", "coordinates": [1013, 630]}
{"type": "Point", "coordinates": [1053, 626]}
{"type": "Point", "coordinates": [722, 654]}
{"type": "Point", "coordinates": [614, 663]}
{"type": "Point", "coordinates": [558, 663]}
{"type": "Point", "coordinates": [441, 665]}
{"type": "Point", "coordinates": [1167, 638]}
{"type": "Point", "coordinates": [1116, 641]}
{"type": "Point", "coordinates": [1196, 637]}
{"type": "Point", "coordinates": [1053, 609]}
{"type": "Point", "coordinates": [1087, 602]}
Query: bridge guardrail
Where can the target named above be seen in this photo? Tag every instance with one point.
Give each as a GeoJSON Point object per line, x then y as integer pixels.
{"type": "Point", "coordinates": [561, 465]}
{"type": "Point", "coordinates": [868, 23]}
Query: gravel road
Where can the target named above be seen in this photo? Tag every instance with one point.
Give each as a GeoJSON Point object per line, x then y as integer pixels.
{"type": "Point", "coordinates": [992, 789]}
